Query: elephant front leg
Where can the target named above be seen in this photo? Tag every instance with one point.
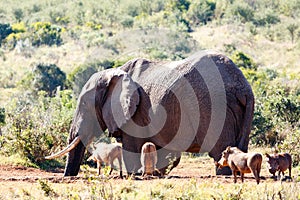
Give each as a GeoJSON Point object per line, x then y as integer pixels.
{"type": "Point", "coordinates": [131, 161]}
{"type": "Point", "coordinates": [131, 148]}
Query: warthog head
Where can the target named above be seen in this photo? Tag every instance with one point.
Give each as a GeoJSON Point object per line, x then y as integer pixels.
{"type": "Point", "coordinates": [273, 163]}
{"type": "Point", "coordinates": [223, 162]}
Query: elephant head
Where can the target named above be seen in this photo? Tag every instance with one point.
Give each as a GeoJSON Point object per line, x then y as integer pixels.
{"type": "Point", "coordinates": [107, 101]}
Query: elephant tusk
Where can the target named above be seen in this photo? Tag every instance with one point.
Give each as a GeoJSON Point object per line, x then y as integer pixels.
{"type": "Point", "coordinates": [65, 150]}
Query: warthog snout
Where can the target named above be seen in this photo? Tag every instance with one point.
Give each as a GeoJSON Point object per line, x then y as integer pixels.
{"type": "Point", "coordinates": [221, 163]}
{"type": "Point", "coordinates": [272, 170]}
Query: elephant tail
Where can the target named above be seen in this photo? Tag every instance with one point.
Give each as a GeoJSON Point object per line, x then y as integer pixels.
{"type": "Point", "coordinates": [248, 102]}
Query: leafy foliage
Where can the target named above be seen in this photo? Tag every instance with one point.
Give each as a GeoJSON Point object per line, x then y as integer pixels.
{"type": "Point", "coordinates": [5, 30]}
{"type": "Point", "coordinates": [45, 33]}
{"type": "Point", "coordinates": [201, 11]}
{"type": "Point", "coordinates": [18, 14]}
{"type": "Point", "coordinates": [277, 108]}
{"type": "Point", "coordinates": [291, 145]}
{"type": "Point", "coordinates": [81, 74]}
{"type": "Point", "coordinates": [47, 77]}
{"type": "Point", "coordinates": [34, 126]}
{"type": "Point", "coordinates": [243, 60]}
{"type": "Point", "coordinates": [244, 12]}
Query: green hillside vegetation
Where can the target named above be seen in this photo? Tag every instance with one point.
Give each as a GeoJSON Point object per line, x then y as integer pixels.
{"type": "Point", "coordinates": [48, 49]}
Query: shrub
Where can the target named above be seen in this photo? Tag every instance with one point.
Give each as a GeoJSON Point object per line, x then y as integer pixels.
{"type": "Point", "coordinates": [15, 35]}
{"type": "Point", "coordinates": [127, 22]}
{"type": "Point", "coordinates": [82, 73]}
{"type": "Point", "coordinates": [44, 33]}
{"type": "Point", "coordinates": [269, 18]}
{"type": "Point", "coordinates": [170, 44]}
{"type": "Point", "coordinates": [18, 27]}
{"type": "Point", "coordinates": [5, 30]}
{"type": "Point", "coordinates": [201, 11]}
{"type": "Point", "coordinates": [18, 14]}
{"type": "Point", "coordinates": [277, 107]}
{"type": "Point", "coordinates": [181, 5]}
{"type": "Point", "coordinates": [35, 126]}
{"type": "Point", "coordinates": [59, 17]}
{"type": "Point", "coordinates": [243, 60]}
{"type": "Point", "coordinates": [47, 77]}
{"type": "Point", "coordinates": [243, 11]}
{"type": "Point", "coordinates": [291, 144]}
{"type": "Point", "coordinates": [93, 25]}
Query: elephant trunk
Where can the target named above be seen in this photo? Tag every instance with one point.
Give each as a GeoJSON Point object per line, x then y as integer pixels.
{"type": "Point", "coordinates": [75, 157]}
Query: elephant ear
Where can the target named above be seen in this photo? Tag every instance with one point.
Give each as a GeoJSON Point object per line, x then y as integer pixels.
{"type": "Point", "coordinates": [122, 98]}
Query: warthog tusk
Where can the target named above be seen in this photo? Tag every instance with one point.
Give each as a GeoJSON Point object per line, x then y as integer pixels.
{"type": "Point", "coordinates": [65, 150]}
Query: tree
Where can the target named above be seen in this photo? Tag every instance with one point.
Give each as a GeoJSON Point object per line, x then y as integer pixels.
{"type": "Point", "coordinates": [292, 30]}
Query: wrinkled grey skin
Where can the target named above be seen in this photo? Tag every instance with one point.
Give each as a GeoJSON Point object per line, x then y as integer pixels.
{"type": "Point", "coordinates": [200, 104]}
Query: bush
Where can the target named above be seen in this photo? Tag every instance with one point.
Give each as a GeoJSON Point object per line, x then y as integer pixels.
{"type": "Point", "coordinates": [277, 106]}
{"type": "Point", "coordinates": [244, 12]}
{"type": "Point", "coordinates": [269, 18]}
{"type": "Point", "coordinates": [5, 30]}
{"type": "Point", "coordinates": [127, 22]}
{"type": "Point", "coordinates": [82, 73]}
{"type": "Point", "coordinates": [201, 11]}
{"type": "Point", "coordinates": [243, 60]}
{"type": "Point", "coordinates": [18, 14]}
{"type": "Point", "coordinates": [44, 33]}
{"type": "Point", "coordinates": [291, 145]}
{"type": "Point", "coordinates": [44, 77]}
{"type": "Point", "coordinates": [34, 127]}
{"type": "Point", "coordinates": [47, 77]}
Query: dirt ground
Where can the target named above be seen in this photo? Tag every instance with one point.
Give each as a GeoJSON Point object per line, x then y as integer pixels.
{"type": "Point", "coordinates": [202, 168]}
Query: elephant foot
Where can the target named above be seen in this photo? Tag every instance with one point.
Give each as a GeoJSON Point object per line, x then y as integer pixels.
{"type": "Point", "coordinates": [223, 171]}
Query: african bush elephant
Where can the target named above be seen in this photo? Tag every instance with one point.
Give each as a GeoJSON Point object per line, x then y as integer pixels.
{"type": "Point", "coordinates": [200, 104]}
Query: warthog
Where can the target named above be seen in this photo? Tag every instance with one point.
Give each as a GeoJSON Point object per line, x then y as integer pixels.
{"type": "Point", "coordinates": [148, 159]}
{"type": "Point", "coordinates": [279, 162]}
{"type": "Point", "coordinates": [107, 153]}
{"type": "Point", "coordinates": [241, 162]}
